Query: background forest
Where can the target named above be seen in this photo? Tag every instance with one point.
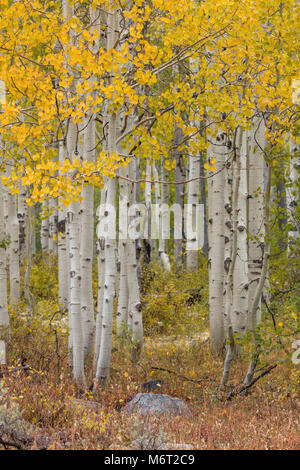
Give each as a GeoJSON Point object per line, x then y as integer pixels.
{"type": "Point", "coordinates": [149, 223]}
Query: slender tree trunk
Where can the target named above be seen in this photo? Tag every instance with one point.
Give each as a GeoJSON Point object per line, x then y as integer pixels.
{"type": "Point", "coordinates": [100, 246]}
{"type": "Point", "coordinates": [231, 232]}
{"type": "Point", "coordinates": [45, 227]}
{"type": "Point", "coordinates": [30, 228]}
{"type": "Point", "coordinates": [22, 210]}
{"type": "Point", "coordinates": [122, 309]}
{"type": "Point", "coordinates": [192, 243]}
{"type": "Point", "coordinates": [179, 188]}
{"type": "Point", "coordinates": [203, 200]}
{"type": "Point", "coordinates": [218, 150]}
{"type": "Point", "coordinates": [13, 251]}
{"type": "Point", "coordinates": [147, 242]}
{"type": "Point", "coordinates": [261, 283]}
{"type": "Point", "coordinates": [240, 273]}
{"type": "Point", "coordinates": [255, 209]}
{"type": "Point", "coordinates": [293, 196]}
{"type": "Point", "coordinates": [63, 259]}
{"type": "Point", "coordinates": [135, 321]}
{"type": "Point", "coordinates": [87, 243]}
{"type": "Point", "coordinates": [4, 318]}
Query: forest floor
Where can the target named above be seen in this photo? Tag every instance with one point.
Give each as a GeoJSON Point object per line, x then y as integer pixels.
{"type": "Point", "coordinates": [65, 416]}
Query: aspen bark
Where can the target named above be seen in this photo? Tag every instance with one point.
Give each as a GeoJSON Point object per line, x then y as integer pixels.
{"type": "Point", "coordinates": [192, 248]}
{"type": "Point", "coordinates": [255, 209]}
{"type": "Point", "coordinates": [122, 308]}
{"type": "Point", "coordinates": [292, 193]}
{"type": "Point", "coordinates": [217, 149]}
{"type": "Point", "coordinates": [4, 318]}
{"type": "Point", "coordinates": [135, 321]}
{"type": "Point", "coordinates": [22, 210]}
{"type": "Point", "coordinates": [63, 259]}
{"type": "Point", "coordinates": [260, 284]}
{"type": "Point", "coordinates": [87, 243]}
{"type": "Point", "coordinates": [13, 250]}
{"type": "Point", "coordinates": [45, 227]}
{"type": "Point", "coordinates": [240, 273]}
{"type": "Point", "coordinates": [146, 229]}
{"type": "Point", "coordinates": [100, 247]}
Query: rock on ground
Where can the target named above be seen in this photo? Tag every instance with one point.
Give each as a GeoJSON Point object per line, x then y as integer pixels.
{"type": "Point", "coordinates": [156, 403]}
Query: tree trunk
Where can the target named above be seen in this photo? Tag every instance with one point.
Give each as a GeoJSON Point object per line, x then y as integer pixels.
{"type": "Point", "coordinates": [255, 209]}
{"type": "Point", "coordinates": [13, 250]}
{"type": "Point", "coordinates": [217, 149]}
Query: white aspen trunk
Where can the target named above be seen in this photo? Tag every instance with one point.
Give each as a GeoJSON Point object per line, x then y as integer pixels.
{"type": "Point", "coordinates": [100, 247]}
{"type": "Point", "coordinates": [156, 219]}
{"type": "Point", "coordinates": [75, 304]}
{"type": "Point", "coordinates": [140, 214]}
{"type": "Point", "coordinates": [228, 223]}
{"type": "Point", "coordinates": [192, 247]}
{"type": "Point", "coordinates": [53, 220]}
{"type": "Point", "coordinates": [13, 250]}
{"type": "Point", "coordinates": [122, 309]}
{"type": "Point", "coordinates": [203, 199]}
{"type": "Point", "coordinates": [260, 285]}
{"type": "Point", "coordinates": [22, 210]}
{"type": "Point", "coordinates": [135, 321]}
{"type": "Point", "coordinates": [158, 228]}
{"type": "Point", "coordinates": [217, 149]}
{"type": "Point", "coordinates": [240, 273]}
{"type": "Point", "coordinates": [146, 229]}
{"type": "Point", "coordinates": [232, 208]}
{"type": "Point", "coordinates": [292, 193]}
{"type": "Point", "coordinates": [87, 216]}
{"type": "Point", "coordinates": [75, 320]}
{"type": "Point", "coordinates": [75, 275]}
{"type": "Point", "coordinates": [87, 243]}
{"type": "Point", "coordinates": [165, 232]}
{"type": "Point", "coordinates": [63, 259]}
{"type": "Point", "coordinates": [255, 209]}
{"type": "Point", "coordinates": [103, 364]}
{"type": "Point", "coordinates": [30, 227]}
{"type": "Point", "coordinates": [191, 214]}
{"type": "Point", "coordinates": [45, 227]}
{"type": "Point", "coordinates": [179, 174]}
{"type": "Point", "coordinates": [4, 318]}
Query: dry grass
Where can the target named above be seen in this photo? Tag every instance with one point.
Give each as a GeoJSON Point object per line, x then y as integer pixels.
{"type": "Point", "coordinates": [71, 418]}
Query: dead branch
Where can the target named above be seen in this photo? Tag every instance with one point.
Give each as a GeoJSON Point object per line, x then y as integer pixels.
{"type": "Point", "coordinates": [253, 381]}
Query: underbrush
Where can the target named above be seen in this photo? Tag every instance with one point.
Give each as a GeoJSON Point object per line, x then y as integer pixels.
{"type": "Point", "coordinates": [39, 381]}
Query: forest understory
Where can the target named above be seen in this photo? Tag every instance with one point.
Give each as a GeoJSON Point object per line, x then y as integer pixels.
{"type": "Point", "coordinates": [59, 414]}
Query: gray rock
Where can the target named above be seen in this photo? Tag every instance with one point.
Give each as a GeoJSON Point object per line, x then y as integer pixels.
{"type": "Point", "coordinates": [175, 446]}
{"type": "Point", "coordinates": [156, 403]}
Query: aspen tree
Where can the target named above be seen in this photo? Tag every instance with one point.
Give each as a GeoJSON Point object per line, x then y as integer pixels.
{"type": "Point", "coordinates": [87, 205]}
{"type": "Point", "coordinates": [45, 227]}
{"type": "Point", "coordinates": [293, 195]}
{"type": "Point", "coordinates": [240, 271]}
{"type": "Point", "coordinates": [71, 150]}
{"type": "Point", "coordinates": [216, 153]}
{"type": "Point", "coordinates": [122, 308]}
{"type": "Point", "coordinates": [63, 258]}
{"type": "Point", "coordinates": [103, 363]}
{"type": "Point", "coordinates": [4, 318]}
{"type": "Point", "coordinates": [255, 207]}
{"type": "Point", "coordinates": [135, 321]}
{"type": "Point", "coordinates": [13, 249]}
{"type": "Point", "coordinates": [100, 249]}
